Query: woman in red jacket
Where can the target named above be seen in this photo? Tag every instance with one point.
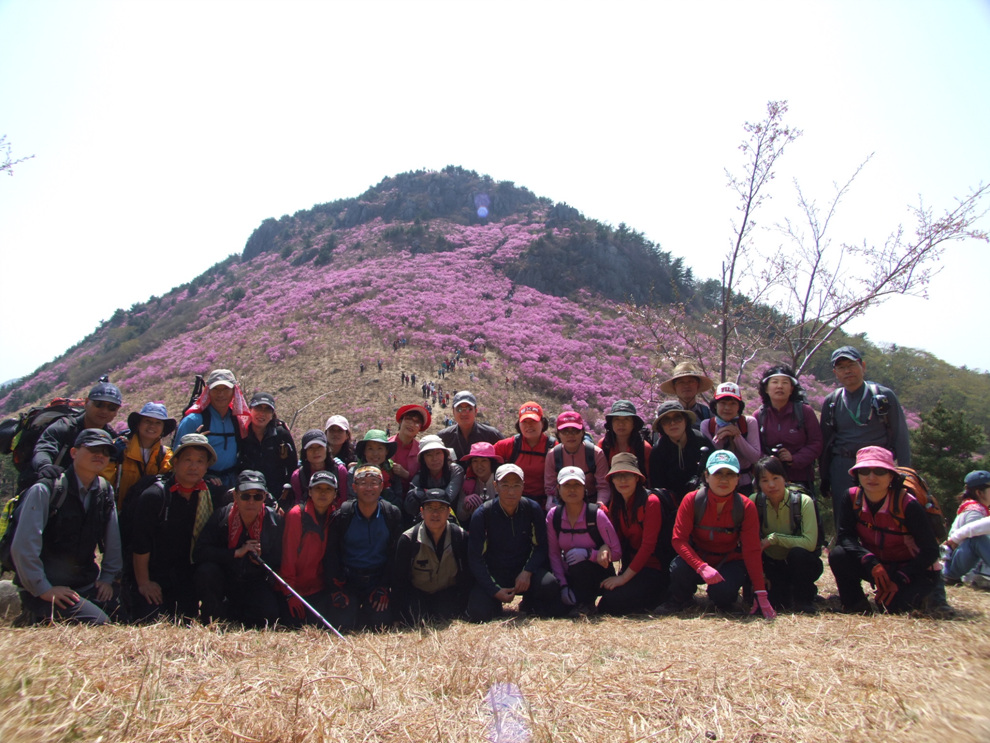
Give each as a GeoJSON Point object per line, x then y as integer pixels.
{"type": "Point", "coordinates": [304, 542]}
{"type": "Point", "coordinates": [637, 516]}
{"type": "Point", "coordinates": [717, 540]}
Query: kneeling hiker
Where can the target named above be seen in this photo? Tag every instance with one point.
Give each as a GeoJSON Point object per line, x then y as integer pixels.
{"type": "Point", "coordinates": [637, 515]}
{"type": "Point", "coordinates": [581, 541]}
{"type": "Point", "coordinates": [969, 537]}
{"type": "Point", "coordinates": [789, 536]}
{"type": "Point", "coordinates": [432, 578]}
{"type": "Point", "coordinates": [717, 539]}
{"type": "Point", "coordinates": [507, 549]}
{"type": "Point", "coordinates": [159, 527]}
{"type": "Point", "coordinates": [885, 538]}
{"type": "Point", "coordinates": [230, 581]}
{"type": "Point", "coordinates": [360, 554]}
{"type": "Point", "coordinates": [304, 545]}
{"type": "Point", "coordinates": [60, 523]}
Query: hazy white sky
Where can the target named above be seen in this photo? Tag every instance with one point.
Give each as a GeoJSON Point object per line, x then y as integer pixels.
{"type": "Point", "coordinates": [165, 132]}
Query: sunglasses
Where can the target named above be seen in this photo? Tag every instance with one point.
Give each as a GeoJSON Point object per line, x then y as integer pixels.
{"type": "Point", "coordinates": [248, 496]}
{"type": "Point", "coordinates": [105, 451]}
{"type": "Point", "coordinates": [103, 405]}
{"type": "Point", "coordinates": [875, 471]}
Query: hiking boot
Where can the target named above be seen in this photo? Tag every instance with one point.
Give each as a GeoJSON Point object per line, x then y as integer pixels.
{"type": "Point", "coordinates": [863, 607]}
{"type": "Point", "coordinates": [673, 606]}
{"type": "Point", "coordinates": [804, 607]}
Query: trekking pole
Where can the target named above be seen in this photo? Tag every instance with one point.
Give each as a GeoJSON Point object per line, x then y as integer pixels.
{"type": "Point", "coordinates": [296, 414]}
{"type": "Point", "coordinates": [258, 561]}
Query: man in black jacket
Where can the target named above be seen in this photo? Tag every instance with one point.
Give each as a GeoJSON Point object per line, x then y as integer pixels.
{"type": "Point", "coordinates": [51, 452]}
{"type": "Point", "coordinates": [359, 560]}
{"type": "Point", "coordinates": [231, 582]}
{"type": "Point", "coordinates": [507, 552]}
{"type": "Point", "coordinates": [466, 429]}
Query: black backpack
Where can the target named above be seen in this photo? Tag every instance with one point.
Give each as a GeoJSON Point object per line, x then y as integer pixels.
{"type": "Point", "coordinates": [701, 504]}
{"type": "Point", "coordinates": [590, 521]}
{"type": "Point", "coordinates": [18, 436]}
{"type": "Point", "coordinates": [59, 490]}
{"type": "Point", "coordinates": [517, 449]}
{"type": "Point", "coordinates": [589, 458]}
{"type": "Point", "coordinates": [794, 504]}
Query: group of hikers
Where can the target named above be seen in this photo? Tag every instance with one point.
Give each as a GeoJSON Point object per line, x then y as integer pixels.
{"type": "Point", "coordinates": [234, 523]}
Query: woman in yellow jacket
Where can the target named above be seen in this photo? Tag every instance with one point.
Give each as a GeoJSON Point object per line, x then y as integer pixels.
{"type": "Point", "coordinates": [141, 452]}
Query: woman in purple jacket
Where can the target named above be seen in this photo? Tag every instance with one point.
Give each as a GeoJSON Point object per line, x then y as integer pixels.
{"type": "Point", "coordinates": [789, 428]}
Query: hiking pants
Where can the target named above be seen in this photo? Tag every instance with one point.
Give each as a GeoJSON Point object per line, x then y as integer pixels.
{"type": "Point", "coordinates": [542, 598]}
{"type": "Point", "coordinates": [967, 555]}
{"type": "Point", "coordinates": [252, 603]}
{"type": "Point", "coordinates": [793, 578]}
{"type": "Point", "coordinates": [850, 572]}
{"type": "Point", "coordinates": [450, 603]}
{"type": "Point", "coordinates": [646, 589]}
{"type": "Point", "coordinates": [684, 582]}
{"type": "Point", "coordinates": [585, 580]}
{"type": "Point", "coordinates": [87, 610]}
{"type": "Point", "coordinates": [359, 612]}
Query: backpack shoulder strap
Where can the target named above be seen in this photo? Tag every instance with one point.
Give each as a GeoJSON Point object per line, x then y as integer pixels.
{"type": "Point", "coordinates": [738, 509]}
{"type": "Point", "coordinates": [589, 457]}
{"type": "Point", "coordinates": [516, 448]}
{"type": "Point", "coordinates": [558, 520]}
{"type": "Point", "coordinates": [558, 457]}
{"type": "Point", "coordinates": [795, 504]}
{"type": "Point", "coordinates": [798, 414]}
{"type": "Point", "coordinates": [700, 504]}
{"type": "Point", "coordinates": [591, 521]}
{"type": "Point", "coordinates": [760, 501]}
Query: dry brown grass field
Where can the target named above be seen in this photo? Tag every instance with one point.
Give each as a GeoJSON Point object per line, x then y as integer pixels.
{"type": "Point", "coordinates": [697, 677]}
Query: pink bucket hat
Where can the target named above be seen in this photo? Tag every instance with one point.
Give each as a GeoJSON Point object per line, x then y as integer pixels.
{"type": "Point", "coordinates": [484, 450]}
{"type": "Point", "coordinates": [873, 456]}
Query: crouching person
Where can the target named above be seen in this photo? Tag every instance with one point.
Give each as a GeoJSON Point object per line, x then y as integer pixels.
{"type": "Point", "coordinates": [61, 523]}
{"type": "Point", "coordinates": [432, 578]}
{"type": "Point", "coordinates": [884, 537]}
{"type": "Point", "coordinates": [360, 554]}
{"type": "Point", "coordinates": [717, 540]}
{"type": "Point", "coordinates": [304, 545]}
{"type": "Point", "coordinates": [231, 582]}
{"type": "Point", "coordinates": [507, 551]}
{"type": "Point", "coordinates": [789, 536]}
{"type": "Point", "coordinates": [581, 541]}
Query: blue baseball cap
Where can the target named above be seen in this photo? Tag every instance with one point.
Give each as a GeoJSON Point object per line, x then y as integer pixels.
{"type": "Point", "coordinates": [722, 460]}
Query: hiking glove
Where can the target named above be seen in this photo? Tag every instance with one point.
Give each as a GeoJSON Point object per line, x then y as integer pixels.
{"type": "Point", "coordinates": [762, 604]}
{"type": "Point", "coordinates": [296, 609]}
{"type": "Point", "coordinates": [576, 555]}
{"type": "Point", "coordinates": [567, 596]}
{"type": "Point", "coordinates": [709, 574]}
{"type": "Point", "coordinates": [340, 600]}
{"type": "Point", "coordinates": [49, 472]}
{"type": "Point", "coordinates": [379, 598]}
{"type": "Point", "coordinates": [886, 588]}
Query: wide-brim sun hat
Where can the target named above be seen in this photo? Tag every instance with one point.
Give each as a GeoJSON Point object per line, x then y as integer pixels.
{"type": "Point", "coordinates": [625, 461]}
{"type": "Point", "coordinates": [625, 409]}
{"type": "Point", "coordinates": [415, 407]}
{"type": "Point", "coordinates": [482, 450]}
{"type": "Point", "coordinates": [195, 441]}
{"type": "Point", "coordinates": [669, 407]}
{"type": "Point", "coordinates": [154, 410]}
{"type": "Point", "coordinates": [375, 434]}
{"type": "Point", "coordinates": [687, 369]}
{"type": "Point", "coordinates": [873, 456]}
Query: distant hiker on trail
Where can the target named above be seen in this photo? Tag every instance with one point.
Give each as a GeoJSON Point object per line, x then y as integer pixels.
{"type": "Point", "coordinates": [789, 535]}
{"type": "Point", "coordinates": [432, 579]}
{"type": "Point", "coordinates": [338, 433]}
{"type": "Point", "coordinates": [413, 420]}
{"type": "Point", "coordinates": [507, 552]}
{"type": "Point", "coordinates": [51, 453]}
{"type": "Point", "coordinates": [268, 446]}
{"type": "Point", "coordinates": [141, 452]}
{"type": "Point", "coordinates": [678, 450]}
{"type": "Point", "coordinates": [376, 449]}
{"type": "Point", "coordinates": [54, 549]}
{"type": "Point", "coordinates": [582, 544]}
{"type": "Point", "coordinates": [969, 536]}
{"type": "Point", "coordinates": [687, 382]}
{"type": "Point", "coordinates": [731, 430]}
{"type": "Point", "coordinates": [160, 528]}
{"type": "Point", "coordinates": [315, 458]}
{"type": "Point", "coordinates": [304, 545]}
{"type": "Point", "coordinates": [360, 557]}
{"type": "Point", "coordinates": [379, 364]}
{"type": "Point", "coordinates": [467, 430]}
{"type": "Point", "coordinates": [479, 480]}
{"type": "Point", "coordinates": [637, 516]}
{"type": "Point", "coordinates": [361, 367]}
{"type": "Point", "coordinates": [860, 413]}
{"type": "Point", "coordinates": [885, 537]}
{"type": "Point", "coordinates": [789, 428]}
{"type": "Point", "coordinates": [231, 585]}
{"type": "Point", "coordinates": [717, 540]}
{"type": "Point", "coordinates": [624, 432]}
{"type": "Point", "coordinates": [529, 448]}
{"type": "Point", "coordinates": [436, 471]}
{"type": "Point", "coordinates": [221, 413]}
{"type": "Point", "coordinates": [574, 451]}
